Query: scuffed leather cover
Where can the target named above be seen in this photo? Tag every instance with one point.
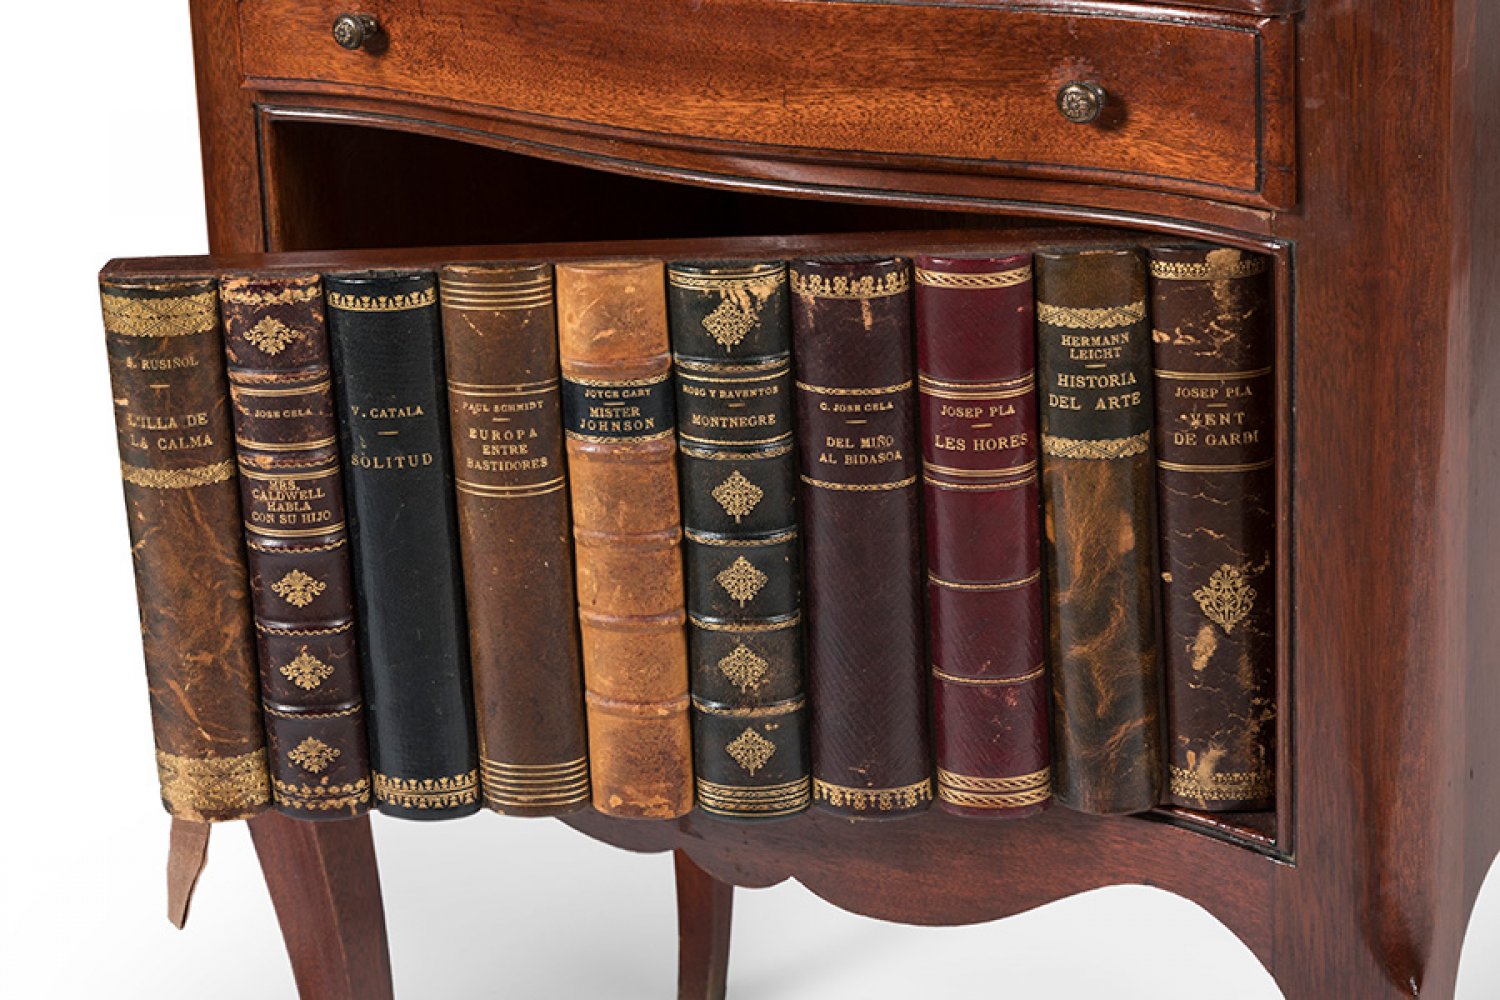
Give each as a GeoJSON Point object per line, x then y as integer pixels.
{"type": "Point", "coordinates": [1094, 361]}
{"type": "Point", "coordinates": [500, 339]}
{"type": "Point", "coordinates": [1216, 483]}
{"type": "Point", "coordinates": [292, 497]}
{"type": "Point", "coordinates": [621, 443]}
{"type": "Point", "coordinates": [731, 344]}
{"type": "Point", "coordinates": [856, 414]}
{"type": "Point", "coordinates": [393, 426]}
{"type": "Point", "coordinates": [166, 367]}
{"type": "Point", "coordinates": [976, 364]}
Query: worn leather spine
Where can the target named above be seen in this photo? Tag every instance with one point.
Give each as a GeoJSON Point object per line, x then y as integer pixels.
{"type": "Point", "coordinates": [627, 530]}
{"type": "Point", "coordinates": [731, 348]}
{"type": "Point", "coordinates": [500, 343]}
{"type": "Point", "coordinates": [297, 546]}
{"type": "Point", "coordinates": [393, 427]}
{"type": "Point", "coordinates": [1214, 344]}
{"type": "Point", "coordinates": [166, 367]}
{"type": "Point", "coordinates": [1094, 360]}
{"type": "Point", "coordinates": [976, 364]}
{"type": "Point", "coordinates": [859, 463]}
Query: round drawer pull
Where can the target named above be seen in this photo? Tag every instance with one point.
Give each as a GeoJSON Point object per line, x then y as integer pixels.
{"type": "Point", "coordinates": [355, 31]}
{"type": "Point", "coordinates": [1081, 102]}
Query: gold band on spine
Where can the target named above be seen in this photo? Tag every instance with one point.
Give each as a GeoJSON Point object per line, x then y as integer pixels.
{"type": "Point", "coordinates": [176, 316]}
{"type": "Point", "coordinates": [859, 487]}
{"type": "Point", "coordinates": [839, 287]}
{"type": "Point", "coordinates": [970, 280]}
{"type": "Point", "coordinates": [749, 542]}
{"type": "Point", "coordinates": [1247, 266]}
{"type": "Point", "coordinates": [523, 786]}
{"type": "Point", "coordinates": [877, 799]}
{"type": "Point", "coordinates": [995, 793]}
{"type": "Point", "coordinates": [614, 383]}
{"type": "Point", "coordinates": [1235, 467]}
{"type": "Point", "coordinates": [766, 800]}
{"type": "Point", "coordinates": [177, 479]}
{"type": "Point", "coordinates": [1083, 318]}
{"type": "Point", "coordinates": [754, 712]}
{"type": "Point", "coordinates": [382, 303]}
{"type": "Point", "coordinates": [727, 279]}
{"type": "Point", "coordinates": [773, 365]}
{"type": "Point", "coordinates": [711, 625]}
{"type": "Point", "coordinates": [833, 390]}
{"type": "Point", "coordinates": [948, 470]}
{"type": "Point", "coordinates": [1025, 678]}
{"type": "Point", "coordinates": [232, 292]}
{"type": "Point", "coordinates": [714, 455]}
{"type": "Point", "coordinates": [996, 585]}
{"type": "Point", "coordinates": [323, 442]}
{"type": "Point", "coordinates": [293, 474]}
{"type": "Point", "coordinates": [1061, 447]}
{"type": "Point", "coordinates": [618, 439]}
{"type": "Point", "coordinates": [428, 793]}
{"type": "Point", "coordinates": [1211, 376]}
{"type": "Point", "coordinates": [237, 388]}
{"type": "Point", "coordinates": [193, 787]}
{"type": "Point", "coordinates": [1229, 786]}
{"type": "Point", "coordinates": [322, 798]}
{"type": "Point", "coordinates": [1007, 485]}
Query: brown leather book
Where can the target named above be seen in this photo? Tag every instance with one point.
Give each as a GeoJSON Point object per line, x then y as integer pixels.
{"type": "Point", "coordinates": [510, 482]}
{"type": "Point", "coordinates": [297, 545]}
{"type": "Point", "coordinates": [166, 366]}
{"type": "Point", "coordinates": [627, 530]}
{"type": "Point", "coordinates": [859, 459]}
{"type": "Point", "coordinates": [1094, 362]}
{"type": "Point", "coordinates": [1216, 485]}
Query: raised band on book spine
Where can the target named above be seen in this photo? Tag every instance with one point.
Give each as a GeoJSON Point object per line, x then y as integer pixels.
{"type": "Point", "coordinates": [976, 364]}
{"type": "Point", "coordinates": [731, 343]}
{"type": "Point", "coordinates": [1216, 484]}
{"type": "Point", "coordinates": [166, 367]}
{"type": "Point", "coordinates": [1094, 365]}
{"type": "Point", "coordinates": [393, 423]}
{"type": "Point", "coordinates": [500, 338]}
{"type": "Point", "coordinates": [856, 416]}
{"type": "Point", "coordinates": [621, 444]}
{"type": "Point", "coordinates": [292, 496]}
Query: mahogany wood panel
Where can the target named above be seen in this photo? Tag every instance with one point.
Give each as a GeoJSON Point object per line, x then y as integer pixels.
{"type": "Point", "coordinates": [959, 86]}
{"type": "Point", "coordinates": [704, 908]}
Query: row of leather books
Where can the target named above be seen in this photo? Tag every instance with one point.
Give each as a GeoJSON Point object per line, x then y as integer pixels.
{"type": "Point", "coordinates": [862, 532]}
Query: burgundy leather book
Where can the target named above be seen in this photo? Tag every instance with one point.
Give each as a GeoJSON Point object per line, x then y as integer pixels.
{"type": "Point", "coordinates": [291, 493]}
{"type": "Point", "coordinates": [976, 364]}
{"type": "Point", "coordinates": [856, 415]}
{"type": "Point", "coordinates": [500, 339]}
{"type": "Point", "coordinates": [1216, 485]}
{"type": "Point", "coordinates": [1094, 366]}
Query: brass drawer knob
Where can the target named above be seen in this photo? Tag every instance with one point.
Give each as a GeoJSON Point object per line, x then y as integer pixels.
{"type": "Point", "coordinates": [355, 31]}
{"type": "Point", "coordinates": [1081, 102]}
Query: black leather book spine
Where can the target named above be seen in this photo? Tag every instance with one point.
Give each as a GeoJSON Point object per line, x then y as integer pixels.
{"type": "Point", "coordinates": [393, 425]}
{"type": "Point", "coordinates": [731, 345]}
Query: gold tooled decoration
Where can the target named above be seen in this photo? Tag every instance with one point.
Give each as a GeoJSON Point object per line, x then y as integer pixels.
{"type": "Point", "coordinates": [272, 336]}
{"type": "Point", "coordinates": [751, 750]}
{"type": "Point", "coordinates": [741, 580]}
{"type": "Point", "coordinates": [305, 670]}
{"type": "Point", "coordinates": [744, 668]}
{"type": "Point", "coordinates": [1227, 786]}
{"type": "Point", "coordinates": [729, 279]}
{"type": "Point", "coordinates": [839, 287]}
{"type": "Point", "coordinates": [737, 495]}
{"type": "Point", "coordinates": [312, 754]}
{"type": "Point", "coordinates": [1227, 599]}
{"type": "Point", "coordinates": [177, 479]}
{"type": "Point", "coordinates": [729, 323]}
{"type": "Point", "coordinates": [178, 316]}
{"type": "Point", "coordinates": [1247, 266]}
{"type": "Point", "coordinates": [428, 793]}
{"type": "Point", "coordinates": [322, 798]}
{"type": "Point", "coordinates": [835, 390]}
{"type": "Point", "coordinates": [382, 303]}
{"type": "Point", "coordinates": [1061, 447]}
{"type": "Point", "coordinates": [859, 487]}
{"type": "Point", "coordinates": [227, 787]}
{"type": "Point", "coordinates": [239, 293]}
{"type": "Point", "coordinates": [878, 799]}
{"type": "Point", "coordinates": [1083, 318]}
{"type": "Point", "coordinates": [763, 800]}
{"type": "Point", "coordinates": [298, 589]}
{"type": "Point", "coordinates": [988, 279]}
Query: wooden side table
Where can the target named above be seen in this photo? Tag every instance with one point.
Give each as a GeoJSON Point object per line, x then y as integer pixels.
{"type": "Point", "coordinates": [1357, 142]}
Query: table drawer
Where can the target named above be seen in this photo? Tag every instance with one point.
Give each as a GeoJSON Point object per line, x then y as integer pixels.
{"type": "Point", "coordinates": [1194, 100]}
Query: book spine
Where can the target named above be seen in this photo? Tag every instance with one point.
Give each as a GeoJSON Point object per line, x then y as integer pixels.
{"type": "Point", "coordinates": [1216, 484]}
{"type": "Point", "coordinates": [621, 443]}
{"type": "Point", "coordinates": [976, 364]}
{"type": "Point", "coordinates": [731, 346]}
{"type": "Point", "coordinates": [1094, 359]}
{"type": "Point", "coordinates": [856, 413]}
{"type": "Point", "coordinates": [393, 425]}
{"type": "Point", "coordinates": [291, 495]}
{"type": "Point", "coordinates": [166, 366]}
{"type": "Point", "coordinates": [500, 342]}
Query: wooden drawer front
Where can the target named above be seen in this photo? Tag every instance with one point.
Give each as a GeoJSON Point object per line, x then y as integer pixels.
{"type": "Point", "coordinates": [1196, 101]}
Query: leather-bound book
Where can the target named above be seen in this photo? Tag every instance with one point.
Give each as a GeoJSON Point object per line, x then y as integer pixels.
{"type": "Point", "coordinates": [731, 345]}
{"type": "Point", "coordinates": [393, 426]}
{"type": "Point", "coordinates": [500, 341]}
{"type": "Point", "coordinates": [976, 379]}
{"type": "Point", "coordinates": [166, 367]}
{"type": "Point", "coordinates": [1094, 363]}
{"type": "Point", "coordinates": [292, 499]}
{"type": "Point", "coordinates": [1216, 487]}
{"type": "Point", "coordinates": [862, 559]}
{"type": "Point", "coordinates": [627, 530]}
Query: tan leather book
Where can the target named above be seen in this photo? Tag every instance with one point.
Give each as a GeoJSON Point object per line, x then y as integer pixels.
{"type": "Point", "coordinates": [622, 464]}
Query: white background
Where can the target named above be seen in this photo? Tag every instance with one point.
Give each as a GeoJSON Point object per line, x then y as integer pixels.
{"type": "Point", "coordinates": [100, 159]}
